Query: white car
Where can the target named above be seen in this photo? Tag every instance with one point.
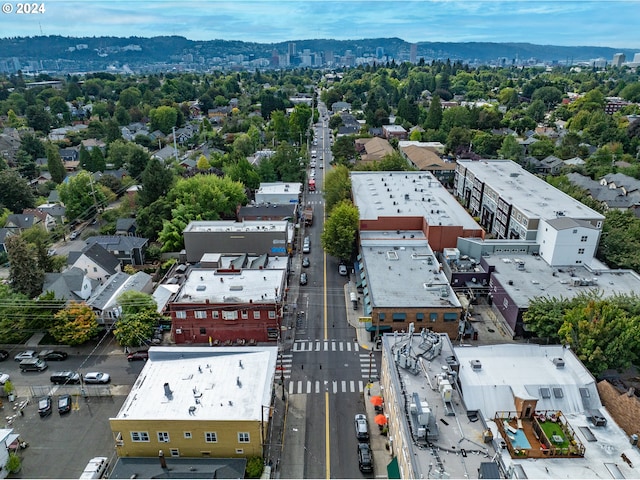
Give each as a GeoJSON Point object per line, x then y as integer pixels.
{"type": "Point", "coordinates": [96, 377]}
{"type": "Point", "coordinates": [3, 378]}
{"type": "Point", "coordinates": [26, 355]}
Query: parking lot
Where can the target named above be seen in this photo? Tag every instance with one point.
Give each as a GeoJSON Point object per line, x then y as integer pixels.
{"type": "Point", "coordinates": [61, 445]}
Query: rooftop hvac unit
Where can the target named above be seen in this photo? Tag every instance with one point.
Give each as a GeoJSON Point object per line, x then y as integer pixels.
{"type": "Point", "coordinates": [476, 365]}
{"type": "Point", "coordinates": [558, 362]}
{"type": "Point", "coordinates": [422, 432]}
{"type": "Point", "coordinates": [520, 266]}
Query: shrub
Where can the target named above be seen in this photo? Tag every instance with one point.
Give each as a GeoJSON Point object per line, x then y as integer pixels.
{"type": "Point", "coordinates": [255, 466]}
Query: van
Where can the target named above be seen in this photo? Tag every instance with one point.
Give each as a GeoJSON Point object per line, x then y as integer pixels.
{"type": "Point", "coordinates": [96, 468]}
{"type": "Point", "coordinates": [65, 378]}
{"type": "Point", "coordinates": [33, 365]}
{"type": "Point", "coordinates": [306, 246]}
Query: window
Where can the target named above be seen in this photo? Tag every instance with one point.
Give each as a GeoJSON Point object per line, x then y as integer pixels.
{"type": "Point", "coordinates": [419, 317]}
{"type": "Point", "coordinates": [215, 314]}
{"type": "Point", "coordinates": [399, 317]}
{"type": "Point", "coordinates": [381, 316]}
{"type": "Point", "coordinates": [187, 435]}
{"type": "Point", "coordinates": [210, 437]}
{"type": "Point", "coordinates": [230, 315]}
{"type": "Point", "coordinates": [95, 269]}
{"type": "Point", "coordinates": [580, 251]}
{"type": "Point", "coordinates": [203, 331]}
{"type": "Point", "coordinates": [201, 314]}
{"type": "Point", "coordinates": [450, 317]}
{"type": "Point", "coordinates": [272, 314]}
{"type": "Point", "coordinates": [139, 436]}
{"type": "Point", "coordinates": [433, 316]}
{"type": "Point", "coordinates": [583, 238]}
{"type": "Point", "coordinates": [181, 314]}
{"type": "Point", "coordinates": [175, 452]}
{"type": "Point", "coordinates": [163, 437]}
{"type": "Point", "coordinates": [245, 315]}
{"type": "Point", "coordinates": [256, 314]}
{"type": "Point", "coordinates": [243, 437]}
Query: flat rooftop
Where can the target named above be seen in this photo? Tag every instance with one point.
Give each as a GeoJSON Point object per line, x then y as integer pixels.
{"type": "Point", "coordinates": [539, 279]}
{"type": "Point", "coordinates": [207, 284]}
{"type": "Point", "coordinates": [402, 270]}
{"type": "Point", "coordinates": [407, 194]}
{"type": "Point", "coordinates": [527, 192]}
{"type": "Point", "coordinates": [455, 432]}
{"type": "Point", "coordinates": [279, 187]}
{"type": "Point", "coordinates": [523, 370]}
{"type": "Point", "coordinates": [233, 226]}
{"type": "Point", "coordinates": [230, 383]}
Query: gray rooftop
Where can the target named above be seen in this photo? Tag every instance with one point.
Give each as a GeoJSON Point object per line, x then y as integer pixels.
{"type": "Point", "coordinates": [240, 287]}
{"type": "Point", "coordinates": [106, 295]}
{"type": "Point", "coordinates": [402, 270]}
{"type": "Point", "coordinates": [407, 194]}
{"type": "Point", "coordinates": [538, 279]}
{"type": "Point", "coordinates": [233, 226]}
{"type": "Point", "coordinates": [231, 383]}
{"type": "Point", "coordinates": [527, 192]}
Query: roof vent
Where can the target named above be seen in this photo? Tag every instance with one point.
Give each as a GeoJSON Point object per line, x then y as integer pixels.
{"type": "Point", "coordinates": [167, 391]}
{"type": "Point", "coordinates": [558, 362]}
{"type": "Point", "coordinates": [476, 366]}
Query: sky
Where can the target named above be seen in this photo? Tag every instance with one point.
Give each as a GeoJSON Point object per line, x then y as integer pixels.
{"type": "Point", "coordinates": [605, 23]}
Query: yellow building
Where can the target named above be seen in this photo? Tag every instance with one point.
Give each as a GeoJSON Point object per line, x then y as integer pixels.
{"type": "Point", "coordinates": [198, 402]}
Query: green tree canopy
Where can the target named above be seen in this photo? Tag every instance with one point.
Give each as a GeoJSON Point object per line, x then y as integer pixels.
{"type": "Point", "coordinates": [163, 118]}
{"type": "Point", "coordinates": [339, 235]}
{"type": "Point", "coordinates": [337, 187]}
{"type": "Point", "coordinates": [81, 196]}
{"type": "Point", "coordinates": [75, 324]}
{"type": "Point", "coordinates": [27, 277]}
{"type": "Point", "coordinates": [15, 193]}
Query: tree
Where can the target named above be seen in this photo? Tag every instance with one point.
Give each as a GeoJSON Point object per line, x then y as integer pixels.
{"type": "Point", "coordinates": [15, 193]}
{"type": "Point", "coordinates": [203, 164]}
{"type": "Point", "coordinates": [163, 118]}
{"type": "Point", "coordinates": [24, 272]}
{"type": "Point", "coordinates": [156, 182]}
{"type": "Point", "coordinates": [511, 149]}
{"type": "Point", "coordinates": [54, 163]}
{"type": "Point", "coordinates": [243, 171]}
{"type": "Point", "coordinates": [132, 330]}
{"type": "Point", "coordinates": [339, 235]}
{"type": "Point", "coordinates": [39, 119]}
{"type": "Point", "coordinates": [130, 97]}
{"type": "Point", "coordinates": [75, 324]}
{"type": "Point", "coordinates": [150, 218]}
{"type": "Point", "coordinates": [337, 187]}
{"type": "Point", "coordinates": [344, 150]}
{"type": "Point", "coordinates": [434, 114]}
{"type": "Point", "coordinates": [550, 96]}
{"type": "Point", "coordinates": [133, 302]}
{"type": "Point", "coordinates": [81, 196]}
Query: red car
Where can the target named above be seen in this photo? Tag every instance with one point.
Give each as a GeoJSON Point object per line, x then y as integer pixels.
{"type": "Point", "coordinates": [140, 355]}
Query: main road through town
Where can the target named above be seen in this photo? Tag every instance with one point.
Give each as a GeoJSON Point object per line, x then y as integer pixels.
{"type": "Point", "coordinates": [328, 370]}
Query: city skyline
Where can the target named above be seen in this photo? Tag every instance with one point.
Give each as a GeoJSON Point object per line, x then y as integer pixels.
{"type": "Point", "coordinates": [566, 23]}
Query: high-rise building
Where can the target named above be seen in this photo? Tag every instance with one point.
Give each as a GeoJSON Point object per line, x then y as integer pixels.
{"type": "Point", "coordinates": [379, 53]}
{"type": "Point", "coordinates": [413, 53]}
{"type": "Point", "coordinates": [292, 49]}
{"type": "Point", "coordinates": [618, 59]}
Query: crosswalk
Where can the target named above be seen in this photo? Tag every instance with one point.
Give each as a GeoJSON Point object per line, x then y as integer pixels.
{"type": "Point", "coordinates": [330, 386]}
{"type": "Point", "coordinates": [325, 346]}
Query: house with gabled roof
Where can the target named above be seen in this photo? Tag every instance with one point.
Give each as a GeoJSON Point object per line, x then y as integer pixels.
{"type": "Point", "coordinates": [165, 153]}
{"type": "Point", "coordinates": [104, 300]}
{"type": "Point", "coordinates": [128, 250]}
{"type": "Point", "coordinates": [21, 221]}
{"type": "Point", "coordinates": [373, 149]}
{"type": "Point", "coordinates": [41, 217]}
{"type": "Point", "coordinates": [126, 226]}
{"type": "Point", "coordinates": [96, 262]}
{"type": "Point", "coordinates": [72, 284]}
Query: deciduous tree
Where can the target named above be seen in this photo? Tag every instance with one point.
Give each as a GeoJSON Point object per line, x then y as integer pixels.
{"type": "Point", "coordinates": [75, 324]}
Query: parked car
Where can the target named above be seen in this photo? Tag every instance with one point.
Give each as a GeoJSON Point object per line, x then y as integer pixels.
{"type": "Point", "coordinates": [3, 378]}
{"type": "Point", "coordinates": [139, 355]}
{"type": "Point", "coordinates": [342, 270]}
{"type": "Point", "coordinates": [306, 262]}
{"type": "Point", "coordinates": [33, 365]}
{"type": "Point", "coordinates": [53, 355]}
{"type": "Point", "coordinates": [303, 279]}
{"type": "Point", "coordinates": [362, 431]}
{"type": "Point", "coordinates": [365, 458]}
{"type": "Point", "coordinates": [51, 252]}
{"type": "Point", "coordinates": [74, 235]}
{"type": "Point", "coordinates": [64, 404]}
{"type": "Point", "coordinates": [3, 355]}
{"type": "Point", "coordinates": [96, 377]}
{"type": "Point", "coordinates": [26, 355]}
{"type": "Point", "coordinates": [44, 406]}
{"type": "Point", "coordinates": [65, 378]}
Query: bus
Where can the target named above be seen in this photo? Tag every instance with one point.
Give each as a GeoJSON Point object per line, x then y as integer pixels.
{"type": "Point", "coordinates": [312, 185]}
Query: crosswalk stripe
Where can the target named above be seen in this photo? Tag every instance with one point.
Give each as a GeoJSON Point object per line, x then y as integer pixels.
{"type": "Point", "coordinates": [333, 346]}
{"type": "Point", "coordinates": [343, 384]}
{"type": "Point", "coordinates": [317, 386]}
{"type": "Point", "coordinates": [308, 385]}
{"type": "Point", "coordinates": [335, 387]}
{"type": "Point", "coordinates": [317, 346]}
{"type": "Point", "coordinates": [352, 386]}
{"type": "Point", "coordinates": [360, 386]}
{"type": "Point", "coordinates": [348, 347]}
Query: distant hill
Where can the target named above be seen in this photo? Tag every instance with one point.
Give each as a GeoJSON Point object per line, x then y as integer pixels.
{"type": "Point", "coordinates": [102, 51]}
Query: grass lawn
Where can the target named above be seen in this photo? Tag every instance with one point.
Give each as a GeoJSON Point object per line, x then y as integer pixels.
{"type": "Point", "coordinates": [553, 428]}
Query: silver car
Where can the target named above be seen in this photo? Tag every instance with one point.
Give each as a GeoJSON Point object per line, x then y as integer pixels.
{"type": "Point", "coordinates": [96, 377]}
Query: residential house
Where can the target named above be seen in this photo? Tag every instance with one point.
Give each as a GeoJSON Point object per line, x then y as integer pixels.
{"type": "Point", "coordinates": [73, 285]}
{"type": "Point", "coordinates": [550, 165]}
{"type": "Point", "coordinates": [373, 149]}
{"type": "Point", "coordinates": [9, 145]}
{"type": "Point", "coordinates": [180, 409]}
{"type": "Point", "coordinates": [165, 154]}
{"type": "Point", "coordinates": [339, 107]}
{"type": "Point", "coordinates": [21, 221]}
{"type": "Point", "coordinates": [126, 226]}
{"type": "Point", "coordinates": [128, 250]}
{"type": "Point", "coordinates": [105, 298]}
{"type": "Point", "coordinates": [574, 162]}
{"type": "Point", "coordinates": [96, 262]}
{"type": "Point", "coordinates": [394, 131]}
{"type": "Point", "coordinates": [425, 159]}
{"type": "Point", "coordinates": [91, 143]}
{"type": "Point", "coordinates": [70, 158]}
{"type": "Point", "coordinates": [42, 217]}
{"type": "Point", "coordinates": [4, 234]}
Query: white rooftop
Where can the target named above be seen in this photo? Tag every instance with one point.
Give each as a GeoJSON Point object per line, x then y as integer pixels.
{"type": "Point", "coordinates": [279, 187]}
{"type": "Point", "coordinates": [233, 226]}
{"type": "Point", "coordinates": [402, 270]}
{"type": "Point", "coordinates": [525, 369]}
{"type": "Point", "coordinates": [527, 192]}
{"type": "Point", "coordinates": [230, 383]}
{"type": "Point", "coordinates": [407, 194]}
{"type": "Point", "coordinates": [243, 286]}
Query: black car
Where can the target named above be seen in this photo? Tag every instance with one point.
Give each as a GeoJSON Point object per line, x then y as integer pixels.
{"type": "Point", "coordinates": [139, 355]}
{"type": "Point", "coordinates": [64, 404]}
{"type": "Point", "coordinates": [44, 406]}
{"type": "Point", "coordinates": [3, 355]}
{"type": "Point", "coordinates": [53, 355]}
{"type": "Point", "coordinates": [365, 458]}
{"type": "Point", "coordinates": [303, 279]}
{"type": "Point", "coordinates": [65, 378]}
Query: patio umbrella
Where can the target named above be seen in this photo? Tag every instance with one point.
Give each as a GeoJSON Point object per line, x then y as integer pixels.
{"type": "Point", "coordinates": [377, 400]}
{"type": "Point", "coordinates": [380, 419]}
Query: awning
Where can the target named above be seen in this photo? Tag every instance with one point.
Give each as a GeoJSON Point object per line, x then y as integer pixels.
{"type": "Point", "coordinates": [393, 470]}
{"type": "Point", "coordinates": [378, 328]}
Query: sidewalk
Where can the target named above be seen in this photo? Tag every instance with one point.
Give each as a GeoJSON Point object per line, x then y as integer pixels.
{"type": "Point", "coordinates": [353, 316]}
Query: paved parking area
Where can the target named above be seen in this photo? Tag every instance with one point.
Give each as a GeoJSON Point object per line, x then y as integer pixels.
{"type": "Point", "coordinates": [61, 446]}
